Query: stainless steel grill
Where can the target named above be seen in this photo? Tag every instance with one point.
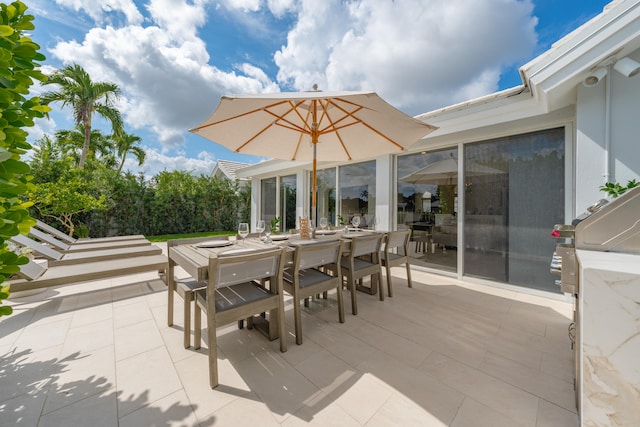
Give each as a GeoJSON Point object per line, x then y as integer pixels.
{"type": "Point", "coordinates": [605, 226]}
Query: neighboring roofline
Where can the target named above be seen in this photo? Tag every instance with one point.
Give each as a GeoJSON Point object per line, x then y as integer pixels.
{"type": "Point", "coordinates": [221, 165]}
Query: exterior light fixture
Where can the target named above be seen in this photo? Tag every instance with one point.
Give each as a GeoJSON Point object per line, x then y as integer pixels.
{"type": "Point", "coordinates": [595, 77]}
{"type": "Point", "coordinates": [627, 67]}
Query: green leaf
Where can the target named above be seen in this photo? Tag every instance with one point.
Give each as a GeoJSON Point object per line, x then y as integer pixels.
{"type": "Point", "coordinates": [6, 30]}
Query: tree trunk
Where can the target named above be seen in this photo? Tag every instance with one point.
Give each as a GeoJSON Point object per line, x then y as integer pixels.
{"type": "Point", "coordinates": [87, 143]}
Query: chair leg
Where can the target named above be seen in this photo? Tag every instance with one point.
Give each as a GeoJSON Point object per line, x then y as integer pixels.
{"type": "Point", "coordinates": [281, 325]}
{"type": "Point", "coordinates": [378, 284]}
{"type": "Point", "coordinates": [171, 288]}
{"type": "Point", "coordinates": [297, 319]}
{"type": "Point", "coordinates": [197, 327]}
{"type": "Point", "coordinates": [409, 275]}
{"type": "Point", "coordinates": [188, 298]}
{"type": "Point", "coordinates": [340, 304]}
{"type": "Point", "coordinates": [354, 302]}
{"type": "Point", "coordinates": [213, 350]}
{"type": "Point", "coordinates": [389, 287]}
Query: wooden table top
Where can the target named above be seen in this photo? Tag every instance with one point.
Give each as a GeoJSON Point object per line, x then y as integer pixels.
{"type": "Point", "coordinates": [195, 260]}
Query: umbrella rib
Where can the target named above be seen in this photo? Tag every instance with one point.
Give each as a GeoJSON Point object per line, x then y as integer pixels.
{"type": "Point", "coordinates": [383, 136]}
{"type": "Point", "coordinates": [305, 120]}
{"type": "Point", "coordinates": [246, 113]}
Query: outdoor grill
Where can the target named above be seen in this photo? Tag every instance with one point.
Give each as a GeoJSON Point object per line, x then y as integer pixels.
{"type": "Point", "coordinates": [605, 226]}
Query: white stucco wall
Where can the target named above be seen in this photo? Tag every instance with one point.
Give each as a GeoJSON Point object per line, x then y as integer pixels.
{"type": "Point", "coordinates": [593, 167]}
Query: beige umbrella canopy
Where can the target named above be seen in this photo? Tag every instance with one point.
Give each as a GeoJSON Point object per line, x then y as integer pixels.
{"type": "Point", "coordinates": [311, 126]}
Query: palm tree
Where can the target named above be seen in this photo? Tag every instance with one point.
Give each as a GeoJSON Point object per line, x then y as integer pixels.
{"type": "Point", "coordinates": [85, 97]}
{"type": "Point", "coordinates": [71, 144]}
{"type": "Point", "coordinates": [127, 143]}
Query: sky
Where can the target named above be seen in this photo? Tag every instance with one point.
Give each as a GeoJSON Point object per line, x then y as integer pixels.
{"type": "Point", "coordinates": [174, 59]}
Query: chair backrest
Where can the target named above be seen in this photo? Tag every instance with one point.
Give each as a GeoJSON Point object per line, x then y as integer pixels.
{"type": "Point", "coordinates": [37, 247]}
{"type": "Point", "coordinates": [228, 270]}
{"type": "Point", "coordinates": [48, 238]}
{"type": "Point", "coordinates": [317, 254]}
{"type": "Point", "coordinates": [54, 232]}
{"type": "Point", "coordinates": [397, 239]}
{"type": "Point", "coordinates": [363, 245]}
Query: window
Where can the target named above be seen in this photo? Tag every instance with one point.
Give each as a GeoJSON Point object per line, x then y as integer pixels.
{"type": "Point", "coordinates": [326, 201]}
{"type": "Point", "coordinates": [514, 194]}
{"type": "Point", "coordinates": [358, 192]}
{"type": "Point", "coordinates": [427, 204]}
{"type": "Point", "coordinates": [268, 199]}
{"type": "Point", "coordinates": [288, 202]}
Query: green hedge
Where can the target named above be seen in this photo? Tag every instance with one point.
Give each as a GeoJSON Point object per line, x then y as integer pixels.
{"type": "Point", "coordinates": [171, 203]}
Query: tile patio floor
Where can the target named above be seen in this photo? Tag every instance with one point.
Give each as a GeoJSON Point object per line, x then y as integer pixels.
{"type": "Point", "coordinates": [444, 353]}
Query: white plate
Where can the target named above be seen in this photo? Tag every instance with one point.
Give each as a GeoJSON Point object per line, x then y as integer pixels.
{"type": "Point", "coordinates": [238, 251]}
{"type": "Point", "coordinates": [213, 244]}
{"type": "Point", "coordinates": [276, 237]}
{"type": "Point", "coordinates": [326, 232]}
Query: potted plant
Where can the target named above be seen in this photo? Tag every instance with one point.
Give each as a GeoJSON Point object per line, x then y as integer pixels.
{"type": "Point", "coordinates": [614, 189]}
{"type": "Point", "coordinates": [274, 225]}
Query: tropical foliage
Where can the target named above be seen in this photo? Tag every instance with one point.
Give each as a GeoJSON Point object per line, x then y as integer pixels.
{"type": "Point", "coordinates": [19, 67]}
{"type": "Point", "coordinates": [615, 189]}
{"type": "Point", "coordinates": [85, 97]}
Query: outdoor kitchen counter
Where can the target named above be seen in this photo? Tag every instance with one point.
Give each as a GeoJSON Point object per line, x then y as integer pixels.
{"type": "Point", "coordinates": [609, 299]}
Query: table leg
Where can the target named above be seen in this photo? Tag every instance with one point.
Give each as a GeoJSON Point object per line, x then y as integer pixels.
{"type": "Point", "coordinates": [171, 287]}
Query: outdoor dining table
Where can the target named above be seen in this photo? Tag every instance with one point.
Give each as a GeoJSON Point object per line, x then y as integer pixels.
{"type": "Point", "coordinates": [194, 259]}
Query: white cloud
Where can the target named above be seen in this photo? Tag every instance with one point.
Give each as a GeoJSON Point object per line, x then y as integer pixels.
{"type": "Point", "coordinates": [102, 11]}
{"type": "Point", "coordinates": [418, 55]}
{"type": "Point", "coordinates": [167, 82]}
{"type": "Point", "coordinates": [244, 5]}
{"type": "Point", "coordinates": [156, 162]}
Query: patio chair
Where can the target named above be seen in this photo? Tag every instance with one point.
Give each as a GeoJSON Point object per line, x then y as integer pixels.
{"type": "Point", "coordinates": [94, 246]}
{"type": "Point", "coordinates": [363, 260]}
{"type": "Point", "coordinates": [70, 240]}
{"type": "Point", "coordinates": [395, 253]}
{"type": "Point", "coordinates": [35, 276]}
{"type": "Point", "coordinates": [305, 278]}
{"type": "Point", "coordinates": [234, 293]}
{"type": "Point", "coordinates": [57, 258]}
{"type": "Point", "coordinates": [186, 288]}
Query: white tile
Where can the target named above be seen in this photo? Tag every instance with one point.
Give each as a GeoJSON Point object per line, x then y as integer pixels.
{"type": "Point", "coordinates": [137, 338]}
{"type": "Point", "coordinates": [145, 378]}
{"type": "Point", "coordinates": [364, 398]}
{"type": "Point", "coordinates": [400, 411]}
{"type": "Point", "coordinates": [510, 401]}
{"type": "Point", "coordinates": [94, 411]}
{"type": "Point", "coordinates": [474, 414]}
{"type": "Point", "coordinates": [173, 410]}
{"type": "Point", "coordinates": [244, 411]}
{"type": "Point", "coordinates": [82, 375]}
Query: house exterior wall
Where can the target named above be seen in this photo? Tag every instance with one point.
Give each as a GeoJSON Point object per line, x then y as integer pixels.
{"type": "Point", "coordinates": [597, 129]}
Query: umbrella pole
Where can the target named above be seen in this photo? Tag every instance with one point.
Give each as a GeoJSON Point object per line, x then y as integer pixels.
{"type": "Point", "coordinates": [314, 196]}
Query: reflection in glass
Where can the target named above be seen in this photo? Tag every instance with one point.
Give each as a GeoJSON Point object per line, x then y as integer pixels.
{"type": "Point", "coordinates": [427, 204]}
{"type": "Point", "coordinates": [268, 199]}
{"type": "Point", "coordinates": [511, 205]}
{"type": "Point", "coordinates": [358, 192]}
{"type": "Point", "coordinates": [288, 202]}
{"type": "Point", "coordinates": [326, 202]}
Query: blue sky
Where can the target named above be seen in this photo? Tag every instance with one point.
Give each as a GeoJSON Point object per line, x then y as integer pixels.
{"type": "Point", "coordinates": [173, 59]}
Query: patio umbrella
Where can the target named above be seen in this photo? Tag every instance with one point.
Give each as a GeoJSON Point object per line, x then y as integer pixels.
{"type": "Point", "coordinates": [311, 126]}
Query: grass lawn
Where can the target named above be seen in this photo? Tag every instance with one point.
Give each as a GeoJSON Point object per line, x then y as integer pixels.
{"type": "Point", "coordinates": [165, 237]}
